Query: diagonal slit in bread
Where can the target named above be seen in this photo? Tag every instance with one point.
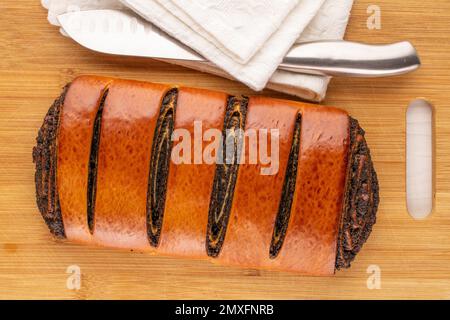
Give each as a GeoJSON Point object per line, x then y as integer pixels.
{"type": "Point", "coordinates": [159, 167]}
{"type": "Point", "coordinates": [93, 164]}
{"type": "Point", "coordinates": [287, 196]}
{"type": "Point", "coordinates": [226, 174]}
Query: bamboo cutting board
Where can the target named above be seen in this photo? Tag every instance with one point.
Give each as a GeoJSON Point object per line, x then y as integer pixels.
{"type": "Point", "coordinates": [413, 257]}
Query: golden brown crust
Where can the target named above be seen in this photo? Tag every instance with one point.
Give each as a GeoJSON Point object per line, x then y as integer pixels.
{"type": "Point", "coordinates": [123, 163]}
{"type": "Point", "coordinates": [310, 243]}
{"type": "Point", "coordinates": [190, 185]}
{"type": "Point", "coordinates": [257, 196]}
{"type": "Point", "coordinates": [74, 146]}
{"type": "Point", "coordinates": [320, 188]}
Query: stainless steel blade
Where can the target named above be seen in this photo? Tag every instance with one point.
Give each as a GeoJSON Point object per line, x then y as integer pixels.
{"type": "Point", "coordinates": [121, 32]}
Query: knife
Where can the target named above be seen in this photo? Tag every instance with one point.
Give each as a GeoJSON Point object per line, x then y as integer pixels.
{"type": "Point", "coordinates": [121, 32]}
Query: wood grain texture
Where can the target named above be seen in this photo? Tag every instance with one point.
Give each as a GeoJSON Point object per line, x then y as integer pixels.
{"type": "Point", "coordinates": [414, 256]}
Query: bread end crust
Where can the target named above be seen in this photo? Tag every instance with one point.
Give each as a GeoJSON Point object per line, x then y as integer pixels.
{"type": "Point", "coordinates": [44, 156]}
{"type": "Point", "coordinates": [361, 199]}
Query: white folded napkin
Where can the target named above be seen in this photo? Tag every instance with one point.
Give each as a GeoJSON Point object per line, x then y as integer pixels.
{"type": "Point", "coordinates": [226, 24]}
{"type": "Point", "coordinates": [257, 71]}
{"type": "Point", "coordinates": [57, 7]}
{"type": "Point", "coordinates": [329, 23]}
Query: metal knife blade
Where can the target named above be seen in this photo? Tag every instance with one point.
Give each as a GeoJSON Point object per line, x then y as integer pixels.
{"type": "Point", "coordinates": [121, 32]}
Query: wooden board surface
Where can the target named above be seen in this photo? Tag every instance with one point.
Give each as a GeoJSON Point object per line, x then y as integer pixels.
{"type": "Point", "coordinates": [413, 256]}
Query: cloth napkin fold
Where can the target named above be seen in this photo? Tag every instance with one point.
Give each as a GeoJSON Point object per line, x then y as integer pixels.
{"type": "Point", "coordinates": [57, 7]}
{"type": "Point", "coordinates": [257, 71]}
{"type": "Point", "coordinates": [226, 24]}
{"type": "Point", "coordinates": [328, 23]}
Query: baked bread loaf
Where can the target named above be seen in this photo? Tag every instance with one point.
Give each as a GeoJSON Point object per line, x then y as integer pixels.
{"type": "Point", "coordinates": [105, 175]}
